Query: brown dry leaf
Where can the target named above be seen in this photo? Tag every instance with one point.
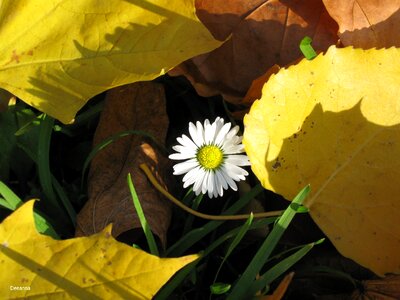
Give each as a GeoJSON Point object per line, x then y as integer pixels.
{"type": "Point", "coordinates": [281, 289]}
{"type": "Point", "coordinates": [366, 23]}
{"type": "Point", "coordinates": [138, 106]}
{"type": "Point", "coordinates": [387, 288]}
{"type": "Point", "coordinates": [264, 33]}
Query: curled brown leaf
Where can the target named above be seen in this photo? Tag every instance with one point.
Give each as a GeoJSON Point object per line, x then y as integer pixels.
{"type": "Point", "coordinates": [138, 106]}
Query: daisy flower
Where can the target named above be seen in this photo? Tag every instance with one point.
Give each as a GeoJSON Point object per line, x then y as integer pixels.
{"type": "Point", "coordinates": [211, 157]}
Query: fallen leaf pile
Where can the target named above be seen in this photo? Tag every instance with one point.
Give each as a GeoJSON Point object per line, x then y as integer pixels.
{"type": "Point", "coordinates": [334, 123]}
{"type": "Point", "coordinates": [263, 33]}
{"type": "Point", "coordinates": [96, 267]}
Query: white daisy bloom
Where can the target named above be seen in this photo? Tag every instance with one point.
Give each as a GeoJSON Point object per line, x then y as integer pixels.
{"type": "Point", "coordinates": [212, 157]}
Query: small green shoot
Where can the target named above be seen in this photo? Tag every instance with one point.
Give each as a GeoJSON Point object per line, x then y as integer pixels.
{"type": "Point", "coordinates": [219, 288]}
{"type": "Point", "coordinates": [307, 49]}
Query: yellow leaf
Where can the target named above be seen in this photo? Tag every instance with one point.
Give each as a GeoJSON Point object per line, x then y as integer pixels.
{"type": "Point", "coordinates": [95, 267]}
{"type": "Point", "coordinates": [333, 122]}
{"type": "Point", "coordinates": [56, 54]}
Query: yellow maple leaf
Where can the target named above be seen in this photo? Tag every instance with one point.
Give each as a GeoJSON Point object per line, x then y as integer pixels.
{"type": "Point", "coordinates": [57, 54]}
{"type": "Point", "coordinates": [333, 123]}
{"type": "Point", "coordinates": [95, 267]}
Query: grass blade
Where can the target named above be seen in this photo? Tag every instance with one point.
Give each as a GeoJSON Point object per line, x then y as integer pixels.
{"type": "Point", "coordinates": [167, 290]}
{"type": "Point", "coordinates": [241, 288]}
{"type": "Point", "coordinates": [43, 163]}
{"type": "Point", "coordinates": [12, 201]}
{"type": "Point", "coordinates": [143, 222]}
{"type": "Point", "coordinates": [239, 236]}
{"type": "Point", "coordinates": [219, 288]}
{"type": "Point", "coordinates": [190, 218]}
{"type": "Point", "coordinates": [59, 190]}
{"type": "Point", "coordinates": [43, 226]}
{"type": "Point", "coordinates": [197, 234]}
{"type": "Point", "coordinates": [277, 270]}
{"type": "Point", "coordinates": [64, 200]}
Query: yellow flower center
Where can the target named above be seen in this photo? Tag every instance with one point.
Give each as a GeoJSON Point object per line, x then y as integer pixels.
{"type": "Point", "coordinates": [210, 157]}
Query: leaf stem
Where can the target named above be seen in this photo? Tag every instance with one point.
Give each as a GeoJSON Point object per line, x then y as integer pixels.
{"type": "Point", "coordinates": [178, 203]}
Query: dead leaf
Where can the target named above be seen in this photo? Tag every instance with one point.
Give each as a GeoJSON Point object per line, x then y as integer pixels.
{"type": "Point", "coordinates": [366, 23]}
{"type": "Point", "coordinates": [139, 106]}
{"type": "Point", "coordinates": [264, 33]}
{"type": "Point", "coordinates": [387, 288]}
{"type": "Point", "coordinates": [281, 289]}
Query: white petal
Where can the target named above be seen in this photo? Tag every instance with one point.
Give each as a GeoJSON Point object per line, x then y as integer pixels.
{"type": "Point", "coordinates": [205, 182]}
{"type": "Point", "coordinates": [232, 132]}
{"type": "Point", "coordinates": [200, 133]}
{"type": "Point", "coordinates": [187, 142]}
{"type": "Point", "coordinates": [233, 149]}
{"type": "Point", "coordinates": [235, 172]}
{"type": "Point", "coordinates": [185, 167]}
{"type": "Point", "coordinates": [219, 124]}
{"type": "Point", "coordinates": [200, 177]}
{"type": "Point", "coordinates": [222, 181]}
{"type": "Point", "coordinates": [191, 176]}
{"type": "Point", "coordinates": [217, 185]}
{"type": "Point", "coordinates": [228, 179]}
{"type": "Point", "coordinates": [198, 180]}
{"type": "Point", "coordinates": [193, 133]}
{"type": "Point", "coordinates": [180, 156]}
{"type": "Point", "coordinates": [222, 134]}
{"type": "Point", "coordinates": [209, 133]}
{"type": "Point", "coordinates": [211, 184]}
{"type": "Point", "coordinates": [238, 160]}
{"type": "Point", "coordinates": [184, 150]}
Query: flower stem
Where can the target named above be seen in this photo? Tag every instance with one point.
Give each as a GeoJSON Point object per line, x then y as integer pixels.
{"type": "Point", "coordinates": [155, 183]}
